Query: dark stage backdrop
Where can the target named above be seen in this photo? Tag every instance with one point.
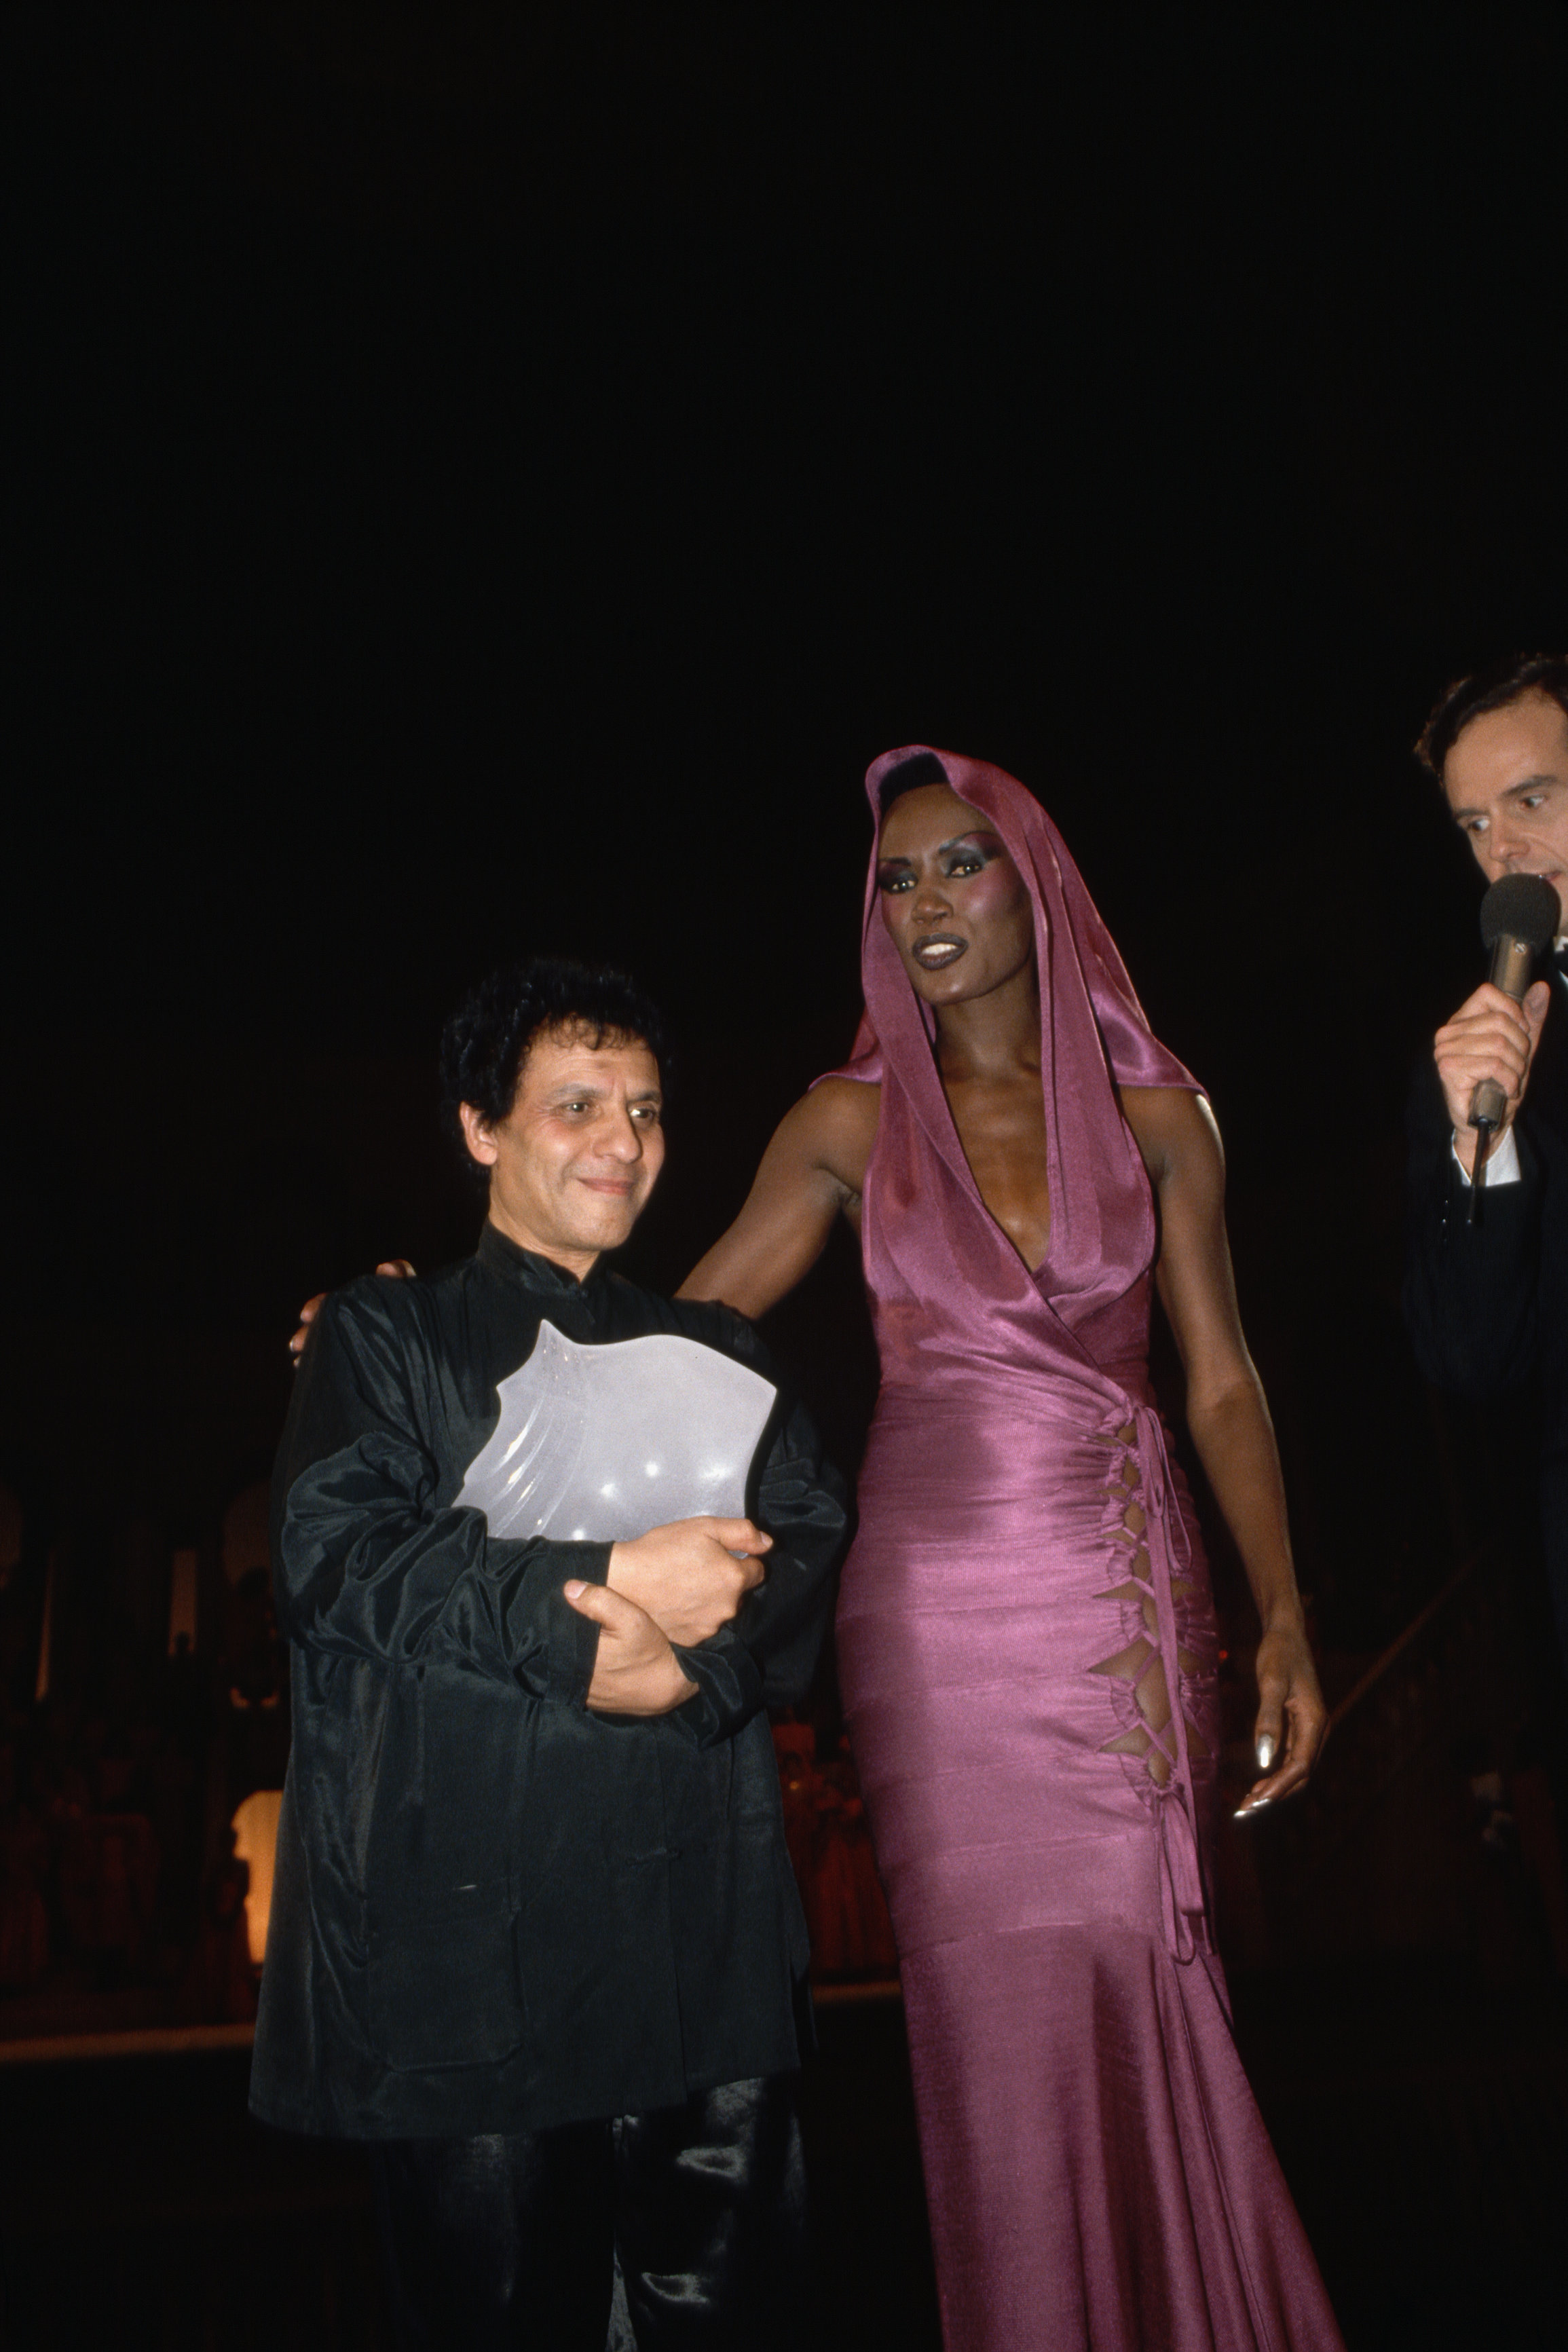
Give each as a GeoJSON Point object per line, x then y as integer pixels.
{"type": "Point", "coordinates": [485, 479]}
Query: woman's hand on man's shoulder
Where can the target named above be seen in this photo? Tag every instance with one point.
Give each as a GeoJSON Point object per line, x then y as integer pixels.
{"type": "Point", "coordinates": [399, 1269]}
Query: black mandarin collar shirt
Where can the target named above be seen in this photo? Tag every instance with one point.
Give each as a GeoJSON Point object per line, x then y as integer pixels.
{"type": "Point", "coordinates": [493, 1910]}
{"type": "Point", "coordinates": [508, 1259]}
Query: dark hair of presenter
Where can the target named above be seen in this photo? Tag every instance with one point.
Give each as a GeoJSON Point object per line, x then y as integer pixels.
{"type": "Point", "coordinates": [1501, 682]}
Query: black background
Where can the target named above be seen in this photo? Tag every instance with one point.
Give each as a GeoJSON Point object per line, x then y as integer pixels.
{"type": "Point", "coordinates": [483, 479]}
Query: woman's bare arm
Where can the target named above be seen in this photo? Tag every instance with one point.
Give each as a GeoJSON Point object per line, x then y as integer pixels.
{"type": "Point", "coordinates": [812, 1169]}
{"type": "Point", "coordinates": [1228, 1416]}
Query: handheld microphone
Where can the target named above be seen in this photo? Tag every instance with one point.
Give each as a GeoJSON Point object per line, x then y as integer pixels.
{"type": "Point", "coordinates": [1520, 917]}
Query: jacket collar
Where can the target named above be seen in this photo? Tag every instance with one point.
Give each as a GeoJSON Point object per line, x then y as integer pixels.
{"type": "Point", "coordinates": [506, 1258]}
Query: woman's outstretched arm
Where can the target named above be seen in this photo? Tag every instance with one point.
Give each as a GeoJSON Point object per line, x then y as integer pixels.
{"type": "Point", "coordinates": [1228, 1417]}
{"type": "Point", "coordinates": [812, 1169]}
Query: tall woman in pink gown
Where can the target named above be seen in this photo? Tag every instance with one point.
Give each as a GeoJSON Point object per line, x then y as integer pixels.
{"type": "Point", "coordinates": [1029, 1595]}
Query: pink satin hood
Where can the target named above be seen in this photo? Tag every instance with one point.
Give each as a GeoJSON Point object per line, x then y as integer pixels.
{"type": "Point", "coordinates": [1093, 1030]}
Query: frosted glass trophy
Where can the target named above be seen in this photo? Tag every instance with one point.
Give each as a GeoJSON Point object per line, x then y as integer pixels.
{"type": "Point", "coordinates": [599, 1445]}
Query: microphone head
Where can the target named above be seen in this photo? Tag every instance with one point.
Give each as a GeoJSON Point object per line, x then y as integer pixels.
{"type": "Point", "coordinates": [1520, 907]}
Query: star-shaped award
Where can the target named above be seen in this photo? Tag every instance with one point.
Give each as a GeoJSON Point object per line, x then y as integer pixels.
{"type": "Point", "coordinates": [599, 1445]}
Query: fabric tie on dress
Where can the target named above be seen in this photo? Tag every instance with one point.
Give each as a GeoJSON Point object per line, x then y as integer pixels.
{"type": "Point", "coordinates": [1175, 1805]}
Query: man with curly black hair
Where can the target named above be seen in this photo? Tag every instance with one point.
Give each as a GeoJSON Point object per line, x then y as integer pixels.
{"type": "Point", "coordinates": [546, 1546]}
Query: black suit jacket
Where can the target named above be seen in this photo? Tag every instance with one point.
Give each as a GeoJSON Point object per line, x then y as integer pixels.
{"type": "Point", "coordinates": [1487, 1305]}
{"type": "Point", "coordinates": [494, 1911]}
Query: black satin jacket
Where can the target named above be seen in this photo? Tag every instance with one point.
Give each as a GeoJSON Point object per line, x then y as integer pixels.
{"type": "Point", "coordinates": [493, 1911]}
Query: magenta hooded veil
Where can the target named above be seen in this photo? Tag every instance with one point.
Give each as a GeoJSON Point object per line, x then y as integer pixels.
{"type": "Point", "coordinates": [1093, 1030]}
{"type": "Point", "coordinates": [1028, 1662]}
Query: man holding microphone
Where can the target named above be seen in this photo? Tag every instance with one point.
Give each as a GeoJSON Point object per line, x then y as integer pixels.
{"type": "Point", "coordinates": [1486, 1298]}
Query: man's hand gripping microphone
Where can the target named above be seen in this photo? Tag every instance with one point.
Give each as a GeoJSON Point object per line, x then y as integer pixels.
{"type": "Point", "coordinates": [1520, 917]}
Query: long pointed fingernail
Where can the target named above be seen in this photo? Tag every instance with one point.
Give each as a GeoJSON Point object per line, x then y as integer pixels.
{"type": "Point", "coordinates": [1266, 1751]}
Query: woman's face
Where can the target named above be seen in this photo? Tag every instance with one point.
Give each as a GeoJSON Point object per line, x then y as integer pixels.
{"type": "Point", "coordinates": [952, 901]}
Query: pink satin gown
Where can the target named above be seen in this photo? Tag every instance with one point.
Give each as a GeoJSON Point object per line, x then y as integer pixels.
{"type": "Point", "coordinates": [1096, 2172]}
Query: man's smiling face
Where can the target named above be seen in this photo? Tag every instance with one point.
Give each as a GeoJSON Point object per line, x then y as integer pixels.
{"type": "Point", "coordinates": [574, 1161]}
{"type": "Point", "coordinates": [1506, 780]}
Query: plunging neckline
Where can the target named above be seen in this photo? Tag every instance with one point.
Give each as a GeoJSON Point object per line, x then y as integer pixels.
{"type": "Point", "coordinates": [973, 1181]}
{"type": "Point", "coordinates": [1091, 1027]}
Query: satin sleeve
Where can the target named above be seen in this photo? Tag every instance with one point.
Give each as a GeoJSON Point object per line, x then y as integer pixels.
{"type": "Point", "coordinates": [365, 1565]}
{"type": "Point", "coordinates": [767, 1655]}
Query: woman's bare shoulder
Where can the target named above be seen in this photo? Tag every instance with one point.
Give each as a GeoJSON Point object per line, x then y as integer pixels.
{"type": "Point", "coordinates": [1176, 1130]}
{"type": "Point", "coordinates": [814, 1169]}
{"type": "Point", "coordinates": [835, 1126]}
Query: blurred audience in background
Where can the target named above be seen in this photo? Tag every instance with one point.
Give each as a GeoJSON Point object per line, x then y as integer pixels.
{"type": "Point", "coordinates": [141, 1706]}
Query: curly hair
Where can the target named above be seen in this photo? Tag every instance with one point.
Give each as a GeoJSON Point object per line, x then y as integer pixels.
{"type": "Point", "coordinates": [485, 1043]}
{"type": "Point", "coordinates": [1501, 683]}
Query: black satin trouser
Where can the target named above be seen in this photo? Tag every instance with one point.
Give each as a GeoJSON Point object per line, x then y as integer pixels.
{"type": "Point", "coordinates": [683, 2230]}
